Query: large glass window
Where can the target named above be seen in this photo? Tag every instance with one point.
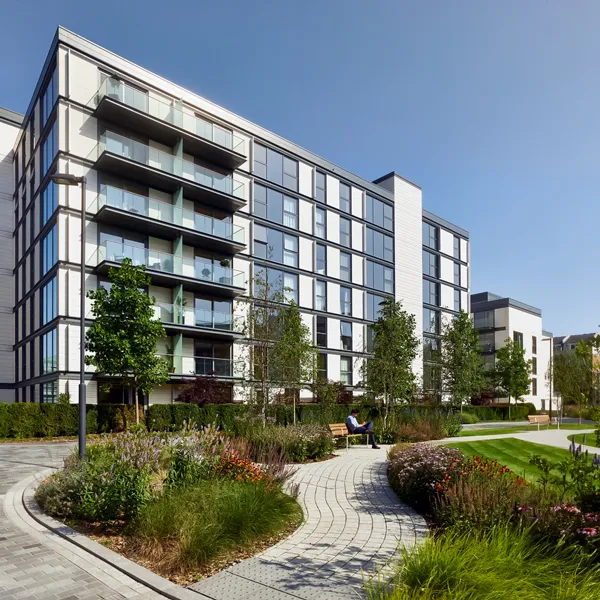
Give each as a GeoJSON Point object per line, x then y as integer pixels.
{"type": "Point", "coordinates": [484, 319]}
{"type": "Point", "coordinates": [275, 245]}
{"type": "Point", "coordinates": [533, 344]}
{"type": "Point", "coordinates": [486, 341]}
{"type": "Point", "coordinates": [345, 266]}
{"type": "Point", "coordinates": [431, 264]}
{"type": "Point", "coordinates": [457, 247]}
{"type": "Point", "coordinates": [345, 232]}
{"type": "Point", "coordinates": [49, 298]}
{"type": "Point", "coordinates": [346, 335]}
{"type": "Point", "coordinates": [346, 370]}
{"type": "Point", "coordinates": [321, 259]}
{"type": "Point", "coordinates": [320, 223]}
{"type": "Point", "coordinates": [320, 295]}
{"type": "Point", "coordinates": [374, 304]}
{"type": "Point", "coordinates": [49, 148]}
{"type": "Point", "coordinates": [279, 282]}
{"type": "Point", "coordinates": [49, 392]}
{"type": "Point", "coordinates": [49, 250]}
{"type": "Point", "coordinates": [275, 206]}
{"type": "Point", "coordinates": [49, 201]}
{"type": "Point", "coordinates": [430, 236]}
{"type": "Point", "coordinates": [346, 301]}
{"type": "Point", "coordinates": [456, 274]}
{"type": "Point", "coordinates": [49, 96]}
{"type": "Point", "coordinates": [322, 332]}
{"type": "Point", "coordinates": [380, 245]}
{"type": "Point", "coordinates": [534, 387]}
{"type": "Point", "coordinates": [431, 320]}
{"type": "Point", "coordinates": [344, 197]}
{"type": "Point", "coordinates": [518, 338]}
{"type": "Point", "coordinates": [320, 186]}
{"type": "Point", "coordinates": [275, 167]}
{"type": "Point", "coordinates": [432, 378]}
{"type": "Point", "coordinates": [322, 367]}
{"type": "Point", "coordinates": [379, 213]}
{"type": "Point", "coordinates": [457, 302]}
{"type": "Point", "coordinates": [431, 349]}
{"type": "Point", "coordinates": [380, 277]}
{"type": "Point", "coordinates": [49, 352]}
{"type": "Point", "coordinates": [431, 292]}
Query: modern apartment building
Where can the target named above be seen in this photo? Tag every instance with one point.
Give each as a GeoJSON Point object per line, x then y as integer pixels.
{"type": "Point", "coordinates": [498, 319]}
{"type": "Point", "coordinates": [209, 203]}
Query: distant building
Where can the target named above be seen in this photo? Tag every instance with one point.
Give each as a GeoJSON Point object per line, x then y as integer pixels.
{"type": "Point", "coordinates": [570, 341]}
{"type": "Point", "coordinates": [498, 318]}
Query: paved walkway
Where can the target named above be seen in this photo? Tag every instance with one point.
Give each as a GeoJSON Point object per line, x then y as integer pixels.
{"type": "Point", "coordinates": [353, 525]}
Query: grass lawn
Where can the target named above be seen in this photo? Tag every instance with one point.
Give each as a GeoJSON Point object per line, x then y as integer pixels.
{"type": "Point", "coordinates": [590, 439]}
{"type": "Point", "coordinates": [520, 429]}
{"type": "Point", "coordinates": [513, 453]}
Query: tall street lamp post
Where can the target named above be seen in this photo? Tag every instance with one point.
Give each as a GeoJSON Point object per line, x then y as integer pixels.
{"type": "Point", "coordinates": [67, 179]}
{"type": "Point", "coordinates": [551, 380]}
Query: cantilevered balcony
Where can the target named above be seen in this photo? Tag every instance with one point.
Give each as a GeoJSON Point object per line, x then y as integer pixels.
{"type": "Point", "coordinates": [168, 270]}
{"type": "Point", "coordinates": [196, 322]}
{"type": "Point", "coordinates": [124, 209]}
{"type": "Point", "coordinates": [167, 123]}
{"type": "Point", "coordinates": [182, 367]}
{"type": "Point", "coordinates": [125, 157]}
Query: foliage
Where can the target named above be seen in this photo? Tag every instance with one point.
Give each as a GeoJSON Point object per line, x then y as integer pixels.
{"type": "Point", "coordinates": [327, 391]}
{"type": "Point", "coordinates": [123, 336]}
{"type": "Point", "coordinates": [428, 427]}
{"type": "Point", "coordinates": [206, 389]}
{"type": "Point", "coordinates": [468, 418]}
{"type": "Point", "coordinates": [388, 372]}
{"type": "Point", "coordinates": [512, 371]}
{"type": "Point", "coordinates": [462, 366]}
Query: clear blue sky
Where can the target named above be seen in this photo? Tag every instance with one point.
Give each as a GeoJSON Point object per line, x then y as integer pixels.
{"type": "Point", "coordinates": [492, 107]}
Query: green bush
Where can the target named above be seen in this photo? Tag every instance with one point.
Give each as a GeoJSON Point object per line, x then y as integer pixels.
{"type": "Point", "coordinates": [518, 412]}
{"type": "Point", "coordinates": [468, 418]}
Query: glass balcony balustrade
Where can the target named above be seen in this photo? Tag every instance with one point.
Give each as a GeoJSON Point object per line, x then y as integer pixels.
{"type": "Point", "coordinates": [173, 113]}
{"type": "Point", "coordinates": [176, 314]}
{"type": "Point", "coordinates": [168, 213]}
{"type": "Point", "coordinates": [152, 157]}
{"type": "Point", "coordinates": [189, 366]}
{"type": "Point", "coordinates": [195, 268]}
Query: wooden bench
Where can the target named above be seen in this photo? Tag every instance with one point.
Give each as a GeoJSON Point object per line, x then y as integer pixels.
{"type": "Point", "coordinates": [339, 430]}
{"type": "Point", "coordinates": [539, 420]}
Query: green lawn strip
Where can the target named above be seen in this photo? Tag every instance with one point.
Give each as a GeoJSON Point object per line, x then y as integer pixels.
{"type": "Point", "coordinates": [519, 429]}
{"type": "Point", "coordinates": [590, 439]}
{"type": "Point", "coordinates": [513, 453]}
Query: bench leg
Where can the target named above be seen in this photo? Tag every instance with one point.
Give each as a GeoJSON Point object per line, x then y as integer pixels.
{"type": "Point", "coordinates": [538, 426]}
{"type": "Point", "coordinates": [347, 443]}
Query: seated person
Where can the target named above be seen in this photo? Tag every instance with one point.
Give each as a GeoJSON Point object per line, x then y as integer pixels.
{"type": "Point", "coordinates": [354, 427]}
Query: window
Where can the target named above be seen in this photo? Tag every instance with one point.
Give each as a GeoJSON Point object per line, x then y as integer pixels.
{"type": "Point", "coordinates": [275, 245]}
{"type": "Point", "coordinates": [322, 367]}
{"type": "Point", "coordinates": [290, 250]}
{"type": "Point", "coordinates": [431, 347]}
{"type": "Point", "coordinates": [49, 250]}
{"type": "Point", "coordinates": [380, 245]}
{"type": "Point", "coordinates": [320, 295]}
{"type": "Point", "coordinates": [49, 352]}
{"type": "Point", "coordinates": [374, 304]}
{"type": "Point", "coordinates": [457, 302]}
{"type": "Point", "coordinates": [486, 341]}
{"type": "Point", "coordinates": [431, 264]}
{"type": "Point", "coordinates": [274, 206]}
{"type": "Point", "coordinates": [456, 274]}
{"type": "Point", "coordinates": [518, 338]}
{"type": "Point", "coordinates": [49, 297]}
{"type": "Point", "coordinates": [344, 197]}
{"type": "Point", "coordinates": [320, 186]}
{"type": "Point", "coordinates": [484, 319]}
{"type": "Point", "coordinates": [49, 201]}
{"type": "Point", "coordinates": [380, 277]}
{"type": "Point", "coordinates": [534, 365]}
{"type": "Point", "coordinates": [533, 344]}
{"type": "Point", "coordinates": [320, 223]}
{"type": "Point", "coordinates": [279, 282]}
{"type": "Point", "coordinates": [322, 332]}
{"type": "Point", "coordinates": [430, 236]}
{"type": "Point", "coordinates": [346, 370]}
{"type": "Point", "coordinates": [432, 378]}
{"type": "Point", "coordinates": [431, 292]}
{"type": "Point", "coordinates": [321, 259]}
{"type": "Point", "coordinates": [49, 96]}
{"type": "Point", "coordinates": [534, 387]}
{"type": "Point", "coordinates": [49, 392]}
{"type": "Point", "coordinates": [345, 266]}
{"type": "Point", "coordinates": [431, 320]}
{"type": "Point", "coordinates": [457, 247]}
{"type": "Point", "coordinates": [49, 148]}
{"type": "Point", "coordinates": [346, 335]}
{"type": "Point", "coordinates": [212, 314]}
{"type": "Point", "coordinates": [379, 213]}
{"type": "Point", "coordinates": [345, 232]}
{"type": "Point", "coordinates": [275, 167]}
{"type": "Point", "coordinates": [346, 301]}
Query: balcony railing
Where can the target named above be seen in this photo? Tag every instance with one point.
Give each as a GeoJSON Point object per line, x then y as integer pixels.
{"type": "Point", "coordinates": [182, 315]}
{"type": "Point", "coordinates": [188, 366]}
{"type": "Point", "coordinates": [168, 213]}
{"type": "Point", "coordinates": [195, 268]}
{"type": "Point", "coordinates": [175, 115]}
{"type": "Point", "coordinates": [141, 153]}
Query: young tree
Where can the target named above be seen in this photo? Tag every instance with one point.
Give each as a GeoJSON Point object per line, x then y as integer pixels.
{"type": "Point", "coordinates": [293, 357]}
{"type": "Point", "coordinates": [122, 339]}
{"type": "Point", "coordinates": [388, 372]}
{"type": "Point", "coordinates": [512, 371]}
{"type": "Point", "coordinates": [463, 373]}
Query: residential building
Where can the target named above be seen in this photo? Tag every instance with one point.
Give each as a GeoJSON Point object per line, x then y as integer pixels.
{"type": "Point", "coordinates": [497, 319]}
{"type": "Point", "coordinates": [570, 341]}
{"type": "Point", "coordinates": [211, 204]}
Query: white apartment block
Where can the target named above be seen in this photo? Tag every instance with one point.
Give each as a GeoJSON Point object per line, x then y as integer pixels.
{"type": "Point", "coordinates": [498, 319]}
{"type": "Point", "coordinates": [207, 201]}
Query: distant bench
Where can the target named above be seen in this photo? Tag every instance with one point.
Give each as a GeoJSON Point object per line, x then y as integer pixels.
{"type": "Point", "coordinates": [339, 430]}
{"type": "Point", "coordinates": [539, 420]}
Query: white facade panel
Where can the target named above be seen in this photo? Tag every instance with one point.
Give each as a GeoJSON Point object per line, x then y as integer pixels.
{"type": "Point", "coordinates": [358, 300]}
{"type": "Point", "coordinates": [446, 242]}
{"type": "Point", "coordinates": [305, 295]}
{"type": "Point", "coordinates": [357, 202]}
{"type": "Point", "coordinates": [305, 214]}
{"type": "Point", "coordinates": [333, 262]}
{"type": "Point", "coordinates": [446, 296]}
{"type": "Point", "coordinates": [305, 179]}
{"type": "Point", "coordinates": [464, 302]}
{"type": "Point", "coordinates": [333, 367]}
{"type": "Point", "coordinates": [82, 130]}
{"type": "Point", "coordinates": [464, 276]}
{"type": "Point", "coordinates": [357, 269]}
{"type": "Point", "coordinates": [308, 319]}
{"type": "Point", "coordinates": [358, 230]}
{"type": "Point", "coordinates": [163, 394]}
{"type": "Point", "coordinates": [464, 250]}
{"type": "Point", "coordinates": [333, 334]}
{"type": "Point", "coordinates": [305, 250]}
{"type": "Point", "coordinates": [243, 265]}
{"type": "Point", "coordinates": [84, 79]}
{"type": "Point", "coordinates": [446, 269]}
{"type": "Point", "coordinates": [244, 223]}
{"type": "Point", "coordinates": [358, 337]}
{"type": "Point", "coordinates": [333, 227]}
{"type": "Point", "coordinates": [333, 298]}
{"type": "Point", "coordinates": [333, 191]}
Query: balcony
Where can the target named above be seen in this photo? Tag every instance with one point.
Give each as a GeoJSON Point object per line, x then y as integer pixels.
{"type": "Point", "coordinates": [125, 157]}
{"type": "Point", "coordinates": [123, 104]}
{"type": "Point", "coordinates": [168, 270]}
{"type": "Point", "coordinates": [196, 322]}
{"type": "Point", "coordinates": [185, 367]}
{"type": "Point", "coordinates": [122, 208]}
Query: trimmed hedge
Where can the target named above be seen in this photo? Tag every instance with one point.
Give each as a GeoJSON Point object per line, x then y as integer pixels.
{"type": "Point", "coordinates": [518, 412]}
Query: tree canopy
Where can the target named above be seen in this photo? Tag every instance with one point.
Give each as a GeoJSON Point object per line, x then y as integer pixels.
{"type": "Point", "coordinates": [512, 371]}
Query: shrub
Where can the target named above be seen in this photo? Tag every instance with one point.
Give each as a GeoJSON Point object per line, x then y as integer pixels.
{"type": "Point", "coordinates": [206, 390]}
{"type": "Point", "coordinates": [468, 418]}
{"type": "Point", "coordinates": [421, 431]}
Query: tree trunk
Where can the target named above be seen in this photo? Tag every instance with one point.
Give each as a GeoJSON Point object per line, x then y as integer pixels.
{"type": "Point", "coordinates": [137, 407]}
{"type": "Point", "coordinates": [509, 407]}
{"type": "Point", "coordinates": [294, 405]}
